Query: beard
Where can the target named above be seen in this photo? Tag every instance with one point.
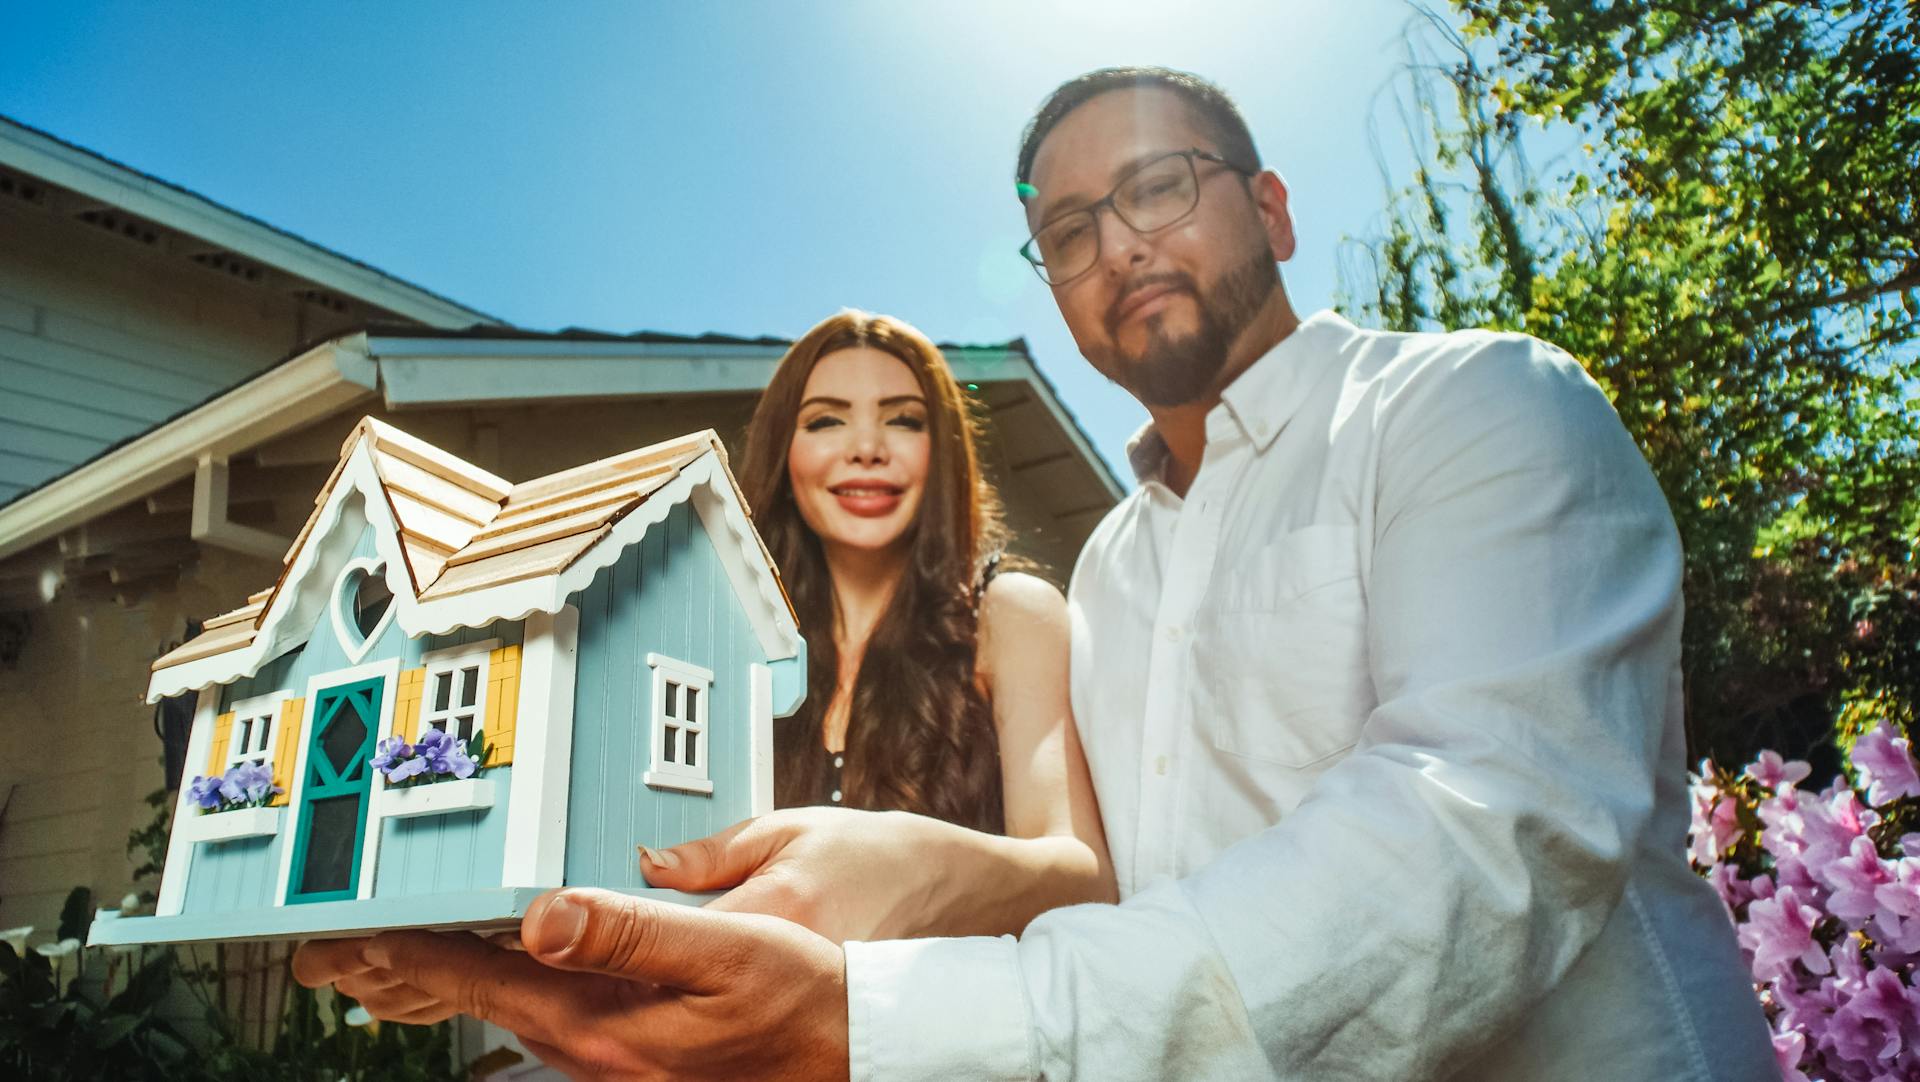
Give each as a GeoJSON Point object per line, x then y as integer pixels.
{"type": "Point", "coordinates": [1172, 371]}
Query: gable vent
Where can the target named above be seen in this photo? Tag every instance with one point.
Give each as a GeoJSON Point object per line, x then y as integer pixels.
{"type": "Point", "coordinates": [323, 299]}
{"type": "Point", "coordinates": [124, 225]}
{"type": "Point", "coordinates": [22, 189]}
{"type": "Point", "coordinates": [230, 264]}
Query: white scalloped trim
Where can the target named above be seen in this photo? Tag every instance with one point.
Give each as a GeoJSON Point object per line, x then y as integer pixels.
{"type": "Point", "coordinates": [704, 481]}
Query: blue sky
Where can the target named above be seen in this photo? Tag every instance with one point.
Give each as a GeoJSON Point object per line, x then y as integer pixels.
{"type": "Point", "coordinates": [744, 168]}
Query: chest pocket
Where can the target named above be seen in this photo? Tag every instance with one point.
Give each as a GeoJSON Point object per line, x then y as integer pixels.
{"type": "Point", "coordinates": [1280, 664]}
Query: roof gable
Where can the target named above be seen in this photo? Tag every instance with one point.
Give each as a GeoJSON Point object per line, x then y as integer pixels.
{"type": "Point", "coordinates": [464, 548]}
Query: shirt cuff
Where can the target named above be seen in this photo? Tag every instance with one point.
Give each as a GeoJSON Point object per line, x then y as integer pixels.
{"type": "Point", "coordinates": [937, 1009]}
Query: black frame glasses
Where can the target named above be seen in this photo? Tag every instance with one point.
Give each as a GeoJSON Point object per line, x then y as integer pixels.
{"type": "Point", "coordinates": [1088, 215]}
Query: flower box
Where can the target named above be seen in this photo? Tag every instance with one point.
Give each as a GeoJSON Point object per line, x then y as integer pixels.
{"type": "Point", "coordinates": [436, 798]}
{"type": "Point", "coordinates": [227, 826]}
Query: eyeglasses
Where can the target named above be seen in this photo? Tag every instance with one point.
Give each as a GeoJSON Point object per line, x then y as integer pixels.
{"type": "Point", "coordinates": [1152, 197]}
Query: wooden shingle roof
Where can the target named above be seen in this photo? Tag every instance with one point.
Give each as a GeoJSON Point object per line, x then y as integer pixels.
{"type": "Point", "coordinates": [462, 529]}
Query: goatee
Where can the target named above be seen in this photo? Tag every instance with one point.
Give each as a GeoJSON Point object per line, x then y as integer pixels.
{"type": "Point", "coordinates": [1175, 371]}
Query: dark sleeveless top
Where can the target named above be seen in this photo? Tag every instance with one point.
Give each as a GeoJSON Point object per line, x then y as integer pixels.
{"type": "Point", "coordinates": [832, 764]}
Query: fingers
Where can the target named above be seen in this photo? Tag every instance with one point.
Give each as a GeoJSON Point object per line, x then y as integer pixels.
{"type": "Point", "coordinates": [323, 961]}
{"type": "Point", "coordinates": [464, 975]}
{"type": "Point", "coordinates": [599, 931]}
{"type": "Point", "coordinates": [715, 862]}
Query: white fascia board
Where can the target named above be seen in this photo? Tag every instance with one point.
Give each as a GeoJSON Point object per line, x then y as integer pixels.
{"type": "Point", "coordinates": [97, 178]}
{"type": "Point", "coordinates": [316, 384]}
{"type": "Point", "coordinates": [702, 481]}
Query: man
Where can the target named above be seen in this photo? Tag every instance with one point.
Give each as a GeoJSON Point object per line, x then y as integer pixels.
{"type": "Point", "coordinates": [1377, 674]}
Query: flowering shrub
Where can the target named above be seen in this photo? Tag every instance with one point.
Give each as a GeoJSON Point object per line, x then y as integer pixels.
{"type": "Point", "coordinates": [434, 757]}
{"type": "Point", "coordinates": [1824, 889]}
{"type": "Point", "coordinates": [249, 785]}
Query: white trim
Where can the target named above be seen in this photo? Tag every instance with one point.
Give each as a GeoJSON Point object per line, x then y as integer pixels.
{"type": "Point", "coordinates": [760, 737]}
{"type": "Point", "coordinates": [389, 670]}
{"type": "Point", "coordinates": [686, 669]}
{"type": "Point", "coordinates": [750, 572]}
{"type": "Point", "coordinates": [173, 877]}
{"type": "Point", "coordinates": [658, 780]}
{"type": "Point", "coordinates": [436, 798]}
{"type": "Point", "coordinates": [451, 660]}
{"type": "Point", "coordinates": [536, 846]}
{"type": "Point", "coordinates": [268, 706]}
{"type": "Point", "coordinates": [316, 384]}
{"type": "Point", "coordinates": [695, 683]}
{"type": "Point", "coordinates": [229, 825]}
{"type": "Point", "coordinates": [355, 646]}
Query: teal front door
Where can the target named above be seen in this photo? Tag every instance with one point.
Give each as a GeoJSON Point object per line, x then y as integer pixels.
{"type": "Point", "coordinates": [333, 803]}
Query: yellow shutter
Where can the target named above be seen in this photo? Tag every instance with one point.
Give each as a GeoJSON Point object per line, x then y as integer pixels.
{"type": "Point", "coordinates": [287, 752]}
{"type": "Point", "coordinates": [503, 702]}
{"type": "Point", "coordinates": [217, 754]}
{"type": "Point", "coordinates": [406, 704]}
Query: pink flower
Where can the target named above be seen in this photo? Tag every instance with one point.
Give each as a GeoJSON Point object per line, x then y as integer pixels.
{"type": "Point", "coordinates": [1779, 932]}
{"type": "Point", "coordinates": [1788, 1047]}
{"type": "Point", "coordinates": [1716, 824]}
{"type": "Point", "coordinates": [1772, 771]}
{"type": "Point", "coordinates": [1853, 879]}
{"type": "Point", "coordinates": [1871, 1024]}
{"type": "Point", "coordinates": [1733, 890]}
{"type": "Point", "coordinates": [1885, 762]}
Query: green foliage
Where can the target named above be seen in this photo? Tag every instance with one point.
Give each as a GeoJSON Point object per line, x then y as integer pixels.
{"type": "Point", "coordinates": [1733, 250]}
{"type": "Point", "coordinates": [101, 1013]}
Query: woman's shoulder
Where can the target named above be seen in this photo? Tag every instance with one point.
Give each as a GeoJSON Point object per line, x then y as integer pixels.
{"type": "Point", "coordinates": [1018, 612]}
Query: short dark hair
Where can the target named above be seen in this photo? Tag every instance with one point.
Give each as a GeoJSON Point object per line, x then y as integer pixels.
{"type": "Point", "coordinates": [1210, 104]}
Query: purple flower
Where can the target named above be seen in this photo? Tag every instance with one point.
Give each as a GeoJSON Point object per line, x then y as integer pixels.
{"type": "Point", "coordinates": [458, 762]}
{"type": "Point", "coordinates": [253, 781]}
{"type": "Point", "coordinates": [1885, 762]}
{"type": "Point", "coordinates": [204, 792]}
{"type": "Point", "coordinates": [1772, 771]}
{"type": "Point", "coordinates": [1779, 932]}
{"type": "Point", "coordinates": [389, 752]}
{"type": "Point", "coordinates": [407, 769]}
{"type": "Point", "coordinates": [230, 791]}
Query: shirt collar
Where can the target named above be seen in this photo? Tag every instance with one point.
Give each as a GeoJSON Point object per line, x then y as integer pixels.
{"type": "Point", "coordinates": [1265, 397]}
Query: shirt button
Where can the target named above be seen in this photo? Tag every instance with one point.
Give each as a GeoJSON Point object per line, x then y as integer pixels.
{"type": "Point", "coordinates": [836, 796]}
{"type": "Point", "coordinates": [1173, 633]}
{"type": "Point", "coordinates": [839, 761]}
{"type": "Point", "coordinates": [1160, 765]}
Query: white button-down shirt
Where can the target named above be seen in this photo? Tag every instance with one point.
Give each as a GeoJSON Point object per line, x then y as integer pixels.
{"type": "Point", "coordinates": [1385, 721]}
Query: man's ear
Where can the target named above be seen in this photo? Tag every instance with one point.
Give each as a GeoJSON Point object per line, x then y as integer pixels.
{"type": "Point", "coordinates": [1270, 198]}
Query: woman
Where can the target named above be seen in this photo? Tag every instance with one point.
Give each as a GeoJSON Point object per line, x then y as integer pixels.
{"type": "Point", "coordinates": [935, 685]}
{"type": "Point", "coordinates": [936, 730]}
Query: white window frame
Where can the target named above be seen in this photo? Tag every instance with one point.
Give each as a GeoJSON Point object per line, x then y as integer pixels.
{"type": "Point", "coordinates": [667, 774]}
{"type": "Point", "coordinates": [450, 661]}
{"type": "Point", "coordinates": [254, 709]}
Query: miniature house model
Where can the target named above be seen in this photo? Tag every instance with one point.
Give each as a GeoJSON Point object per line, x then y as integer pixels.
{"type": "Point", "coordinates": [611, 644]}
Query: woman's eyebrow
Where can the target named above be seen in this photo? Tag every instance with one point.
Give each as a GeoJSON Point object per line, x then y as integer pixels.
{"type": "Point", "coordinates": [902, 399]}
{"type": "Point", "coordinates": [822, 400]}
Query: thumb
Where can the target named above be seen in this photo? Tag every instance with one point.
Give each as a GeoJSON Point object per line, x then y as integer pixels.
{"type": "Point", "coordinates": [600, 931]}
{"type": "Point", "coordinates": [716, 862]}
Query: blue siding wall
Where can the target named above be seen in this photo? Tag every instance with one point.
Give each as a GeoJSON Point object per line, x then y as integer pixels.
{"type": "Point", "coordinates": [435, 854]}
{"type": "Point", "coordinates": [229, 876]}
{"type": "Point", "coordinates": [667, 595]}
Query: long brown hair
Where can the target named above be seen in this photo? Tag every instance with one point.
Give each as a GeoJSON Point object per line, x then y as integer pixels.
{"type": "Point", "coordinates": [920, 736]}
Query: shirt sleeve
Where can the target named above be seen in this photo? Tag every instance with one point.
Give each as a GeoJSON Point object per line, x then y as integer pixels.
{"type": "Point", "coordinates": [1524, 613]}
